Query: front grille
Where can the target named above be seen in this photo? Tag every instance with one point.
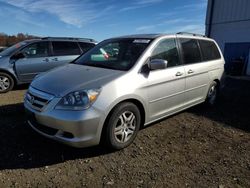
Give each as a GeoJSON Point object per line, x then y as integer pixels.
{"type": "Point", "coordinates": [38, 100]}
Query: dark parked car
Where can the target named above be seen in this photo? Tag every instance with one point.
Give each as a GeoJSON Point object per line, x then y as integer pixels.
{"type": "Point", "coordinates": [21, 62]}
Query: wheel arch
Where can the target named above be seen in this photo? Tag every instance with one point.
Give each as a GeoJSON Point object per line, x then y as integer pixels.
{"type": "Point", "coordinates": [137, 102]}
{"type": "Point", "coordinates": [10, 74]}
{"type": "Point", "coordinates": [217, 81]}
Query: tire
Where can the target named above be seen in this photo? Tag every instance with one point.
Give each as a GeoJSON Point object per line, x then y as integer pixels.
{"type": "Point", "coordinates": [212, 94]}
{"type": "Point", "coordinates": [122, 126]}
{"type": "Point", "coordinates": [6, 82]}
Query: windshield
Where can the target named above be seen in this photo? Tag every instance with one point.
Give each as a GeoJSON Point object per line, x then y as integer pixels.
{"type": "Point", "coordinates": [118, 54]}
{"type": "Point", "coordinates": [12, 49]}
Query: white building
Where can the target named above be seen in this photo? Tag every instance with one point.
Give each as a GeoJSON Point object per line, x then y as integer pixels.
{"type": "Point", "coordinates": [228, 22]}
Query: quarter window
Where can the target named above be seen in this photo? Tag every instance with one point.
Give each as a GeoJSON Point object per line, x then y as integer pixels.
{"type": "Point", "coordinates": [35, 50]}
{"type": "Point", "coordinates": [167, 50]}
{"type": "Point", "coordinates": [209, 50]}
{"type": "Point", "coordinates": [190, 51]}
{"type": "Point", "coordinates": [65, 48]}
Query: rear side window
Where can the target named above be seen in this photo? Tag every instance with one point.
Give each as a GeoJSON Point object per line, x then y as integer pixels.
{"type": "Point", "coordinates": [209, 50]}
{"type": "Point", "coordinates": [190, 51]}
{"type": "Point", "coordinates": [86, 46]}
{"type": "Point", "coordinates": [65, 48]}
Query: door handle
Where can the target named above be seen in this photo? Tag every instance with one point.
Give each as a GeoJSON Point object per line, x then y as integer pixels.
{"type": "Point", "coordinates": [190, 71]}
{"type": "Point", "coordinates": [179, 74]}
{"type": "Point", "coordinates": [55, 59]}
{"type": "Point", "coordinates": [46, 60]}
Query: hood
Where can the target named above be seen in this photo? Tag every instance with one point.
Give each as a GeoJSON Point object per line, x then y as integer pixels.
{"type": "Point", "coordinates": [72, 77]}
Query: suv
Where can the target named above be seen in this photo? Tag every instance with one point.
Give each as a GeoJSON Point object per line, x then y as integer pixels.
{"type": "Point", "coordinates": [21, 62]}
{"type": "Point", "coordinates": [123, 84]}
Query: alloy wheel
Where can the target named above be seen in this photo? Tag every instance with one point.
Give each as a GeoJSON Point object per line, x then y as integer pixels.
{"type": "Point", "coordinates": [125, 127]}
{"type": "Point", "coordinates": [4, 83]}
{"type": "Point", "coordinates": [212, 94]}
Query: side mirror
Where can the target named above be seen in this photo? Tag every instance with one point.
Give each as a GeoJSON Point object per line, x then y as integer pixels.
{"type": "Point", "coordinates": [156, 64]}
{"type": "Point", "coordinates": [18, 55]}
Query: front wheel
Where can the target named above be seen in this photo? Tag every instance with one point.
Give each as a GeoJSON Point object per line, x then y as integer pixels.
{"type": "Point", "coordinates": [212, 94]}
{"type": "Point", "coordinates": [6, 83]}
{"type": "Point", "coordinates": [123, 125]}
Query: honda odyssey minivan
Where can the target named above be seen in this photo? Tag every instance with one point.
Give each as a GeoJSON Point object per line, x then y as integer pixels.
{"type": "Point", "coordinates": [21, 62]}
{"type": "Point", "coordinates": [123, 84]}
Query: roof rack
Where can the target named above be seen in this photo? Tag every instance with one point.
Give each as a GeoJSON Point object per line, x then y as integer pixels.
{"type": "Point", "coordinates": [68, 38]}
{"type": "Point", "coordinates": [193, 34]}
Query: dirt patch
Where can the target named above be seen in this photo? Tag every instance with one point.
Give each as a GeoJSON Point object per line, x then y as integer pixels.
{"type": "Point", "coordinates": [200, 147]}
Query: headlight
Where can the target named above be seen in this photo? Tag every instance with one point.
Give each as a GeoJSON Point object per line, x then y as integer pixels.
{"type": "Point", "coordinates": [78, 100]}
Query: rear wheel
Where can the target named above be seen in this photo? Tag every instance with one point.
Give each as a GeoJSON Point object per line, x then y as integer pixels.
{"type": "Point", "coordinates": [212, 94]}
{"type": "Point", "coordinates": [123, 125]}
{"type": "Point", "coordinates": [6, 82]}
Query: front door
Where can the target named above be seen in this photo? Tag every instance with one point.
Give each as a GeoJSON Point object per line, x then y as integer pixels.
{"type": "Point", "coordinates": [36, 60]}
{"type": "Point", "coordinates": [166, 86]}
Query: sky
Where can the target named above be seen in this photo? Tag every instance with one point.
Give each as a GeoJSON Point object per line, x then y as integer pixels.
{"type": "Point", "coordinates": [101, 19]}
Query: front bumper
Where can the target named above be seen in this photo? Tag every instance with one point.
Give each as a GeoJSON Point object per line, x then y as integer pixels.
{"type": "Point", "coordinates": [74, 128]}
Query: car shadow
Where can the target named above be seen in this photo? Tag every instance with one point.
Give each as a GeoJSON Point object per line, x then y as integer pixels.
{"type": "Point", "coordinates": [232, 107]}
{"type": "Point", "coordinates": [21, 147]}
{"type": "Point", "coordinates": [21, 87]}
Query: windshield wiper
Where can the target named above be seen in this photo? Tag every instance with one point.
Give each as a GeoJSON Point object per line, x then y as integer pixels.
{"type": "Point", "coordinates": [98, 65]}
{"type": "Point", "coordinates": [102, 66]}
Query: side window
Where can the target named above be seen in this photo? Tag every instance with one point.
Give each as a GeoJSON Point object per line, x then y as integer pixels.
{"type": "Point", "coordinates": [65, 48]}
{"type": "Point", "coordinates": [190, 51]}
{"type": "Point", "coordinates": [167, 50]}
{"type": "Point", "coordinates": [209, 50]}
{"type": "Point", "coordinates": [86, 46]}
{"type": "Point", "coordinates": [35, 50]}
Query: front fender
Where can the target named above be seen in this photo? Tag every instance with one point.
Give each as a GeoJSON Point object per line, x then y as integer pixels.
{"type": "Point", "coordinates": [8, 68]}
{"type": "Point", "coordinates": [127, 98]}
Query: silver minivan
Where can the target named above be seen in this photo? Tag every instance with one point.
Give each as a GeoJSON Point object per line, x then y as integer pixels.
{"type": "Point", "coordinates": [20, 63]}
{"type": "Point", "coordinates": [123, 84]}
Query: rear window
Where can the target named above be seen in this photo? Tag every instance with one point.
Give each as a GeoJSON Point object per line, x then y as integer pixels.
{"type": "Point", "coordinates": [190, 51]}
{"type": "Point", "coordinates": [65, 48]}
{"type": "Point", "coordinates": [209, 50]}
{"type": "Point", "coordinates": [86, 46]}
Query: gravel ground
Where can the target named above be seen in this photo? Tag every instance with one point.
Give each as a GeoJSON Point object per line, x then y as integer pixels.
{"type": "Point", "coordinates": [200, 147]}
